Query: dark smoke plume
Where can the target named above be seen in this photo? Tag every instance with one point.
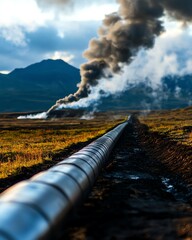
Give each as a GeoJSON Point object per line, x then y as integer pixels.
{"type": "Point", "coordinates": [136, 25]}
{"type": "Point", "coordinates": [179, 9]}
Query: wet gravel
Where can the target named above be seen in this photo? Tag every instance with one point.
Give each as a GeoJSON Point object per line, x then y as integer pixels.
{"type": "Point", "coordinates": [135, 197]}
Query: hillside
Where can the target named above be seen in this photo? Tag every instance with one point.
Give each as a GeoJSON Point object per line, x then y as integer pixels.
{"type": "Point", "coordinates": [37, 86]}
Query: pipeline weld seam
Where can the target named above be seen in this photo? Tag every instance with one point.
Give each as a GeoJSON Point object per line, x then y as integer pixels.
{"type": "Point", "coordinates": [86, 154]}
{"type": "Point", "coordinates": [34, 207]}
{"type": "Point", "coordinates": [73, 157]}
{"type": "Point", "coordinates": [77, 166]}
{"type": "Point", "coordinates": [54, 186]}
{"type": "Point", "coordinates": [69, 175]}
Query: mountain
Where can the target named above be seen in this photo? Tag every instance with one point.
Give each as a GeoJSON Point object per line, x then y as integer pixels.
{"type": "Point", "coordinates": [37, 86]}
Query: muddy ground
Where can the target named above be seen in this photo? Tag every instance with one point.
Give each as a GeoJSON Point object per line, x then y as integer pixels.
{"type": "Point", "coordinates": [144, 193]}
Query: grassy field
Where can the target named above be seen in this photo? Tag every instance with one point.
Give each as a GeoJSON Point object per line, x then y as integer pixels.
{"type": "Point", "coordinates": [25, 143]}
{"type": "Point", "coordinates": [175, 125]}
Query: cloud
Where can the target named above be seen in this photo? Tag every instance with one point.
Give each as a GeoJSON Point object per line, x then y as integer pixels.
{"type": "Point", "coordinates": [29, 33]}
{"type": "Point", "coordinates": [22, 13]}
{"type": "Point", "coordinates": [15, 35]}
{"type": "Point", "coordinates": [65, 56]}
{"type": "Point", "coordinates": [20, 17]}
{"type": "Point", "coordinates": [63, 4]}
{"type": "Point", "coordinates": [11, 56]}
{"type": "Point", "coordinates": [75, 10]}
{"type": "Point", "coordinates": [45, 42]}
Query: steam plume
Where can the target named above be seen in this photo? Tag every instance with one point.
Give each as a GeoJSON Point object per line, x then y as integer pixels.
{"type": "Point", "coordinates": [122, 34]}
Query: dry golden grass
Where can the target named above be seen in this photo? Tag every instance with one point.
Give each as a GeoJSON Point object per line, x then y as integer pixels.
{"type": "Point", "coordinates": [24, 144]}
{"type": "Point", "coordinates": [175, 125]}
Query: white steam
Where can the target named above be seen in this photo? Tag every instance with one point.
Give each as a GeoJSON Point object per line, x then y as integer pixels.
{"type": "Point", "coordinates": [171, 55]}
{"type": "Point", "coordinates": [42, 115]}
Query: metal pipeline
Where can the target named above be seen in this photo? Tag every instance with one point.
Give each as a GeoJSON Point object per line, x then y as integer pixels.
{"type": "Point", "coordinates": [34, 209]}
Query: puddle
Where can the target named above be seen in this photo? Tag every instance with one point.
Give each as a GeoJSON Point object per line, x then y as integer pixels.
{"type": "Point", "coordinates": [123, 156]}
{"type": "Point", "coordinates": [136, 150]}
{"type": "Point", "coordinates": [127, 155]}
{"type": "Point", "coordinates": [133, 177]}
{"type": "Point", "coordinates": [170, 188]}
{"type": "Point", "coordinates": [168, 185]}
{"type": "Point", "coordinates": [129, 175]}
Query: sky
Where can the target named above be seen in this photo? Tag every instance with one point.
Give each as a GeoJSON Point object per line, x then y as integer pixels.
{"type": "Point", "coordinates": [34, 30]}
{"type": "Point", "coordinates": [31, 31]}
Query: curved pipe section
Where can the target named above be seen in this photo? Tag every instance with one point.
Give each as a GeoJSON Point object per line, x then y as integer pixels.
{"type": "Point", "coordinates": [33, 209]}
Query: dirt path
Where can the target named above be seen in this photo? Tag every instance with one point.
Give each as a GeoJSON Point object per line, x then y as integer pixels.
{"type": "Point", "coordinates": [136, 197]}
